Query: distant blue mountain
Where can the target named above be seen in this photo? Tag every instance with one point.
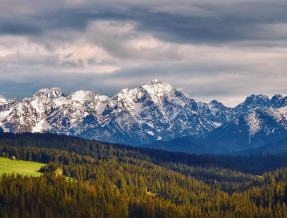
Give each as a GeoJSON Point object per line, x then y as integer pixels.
{"type": "Point", "coordinates": [271, 148]}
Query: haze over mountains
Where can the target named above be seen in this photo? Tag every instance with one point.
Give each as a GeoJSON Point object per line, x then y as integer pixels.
{"type": "Point", "coordinates": [149, 115]}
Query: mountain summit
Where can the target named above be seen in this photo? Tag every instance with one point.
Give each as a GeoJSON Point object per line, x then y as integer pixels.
{"type": "Point", "coordinates": [154, 111]}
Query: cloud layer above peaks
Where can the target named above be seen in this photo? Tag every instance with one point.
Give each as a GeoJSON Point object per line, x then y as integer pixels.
{"type": "Point", "coordinates": [223, 49]}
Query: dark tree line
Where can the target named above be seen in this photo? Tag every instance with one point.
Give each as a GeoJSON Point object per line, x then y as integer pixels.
{"type": "Point", "coordinates": [120, 181]}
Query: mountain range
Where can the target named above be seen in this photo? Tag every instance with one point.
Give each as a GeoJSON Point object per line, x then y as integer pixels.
{"type": "Point", "coordinates": [153, 115]}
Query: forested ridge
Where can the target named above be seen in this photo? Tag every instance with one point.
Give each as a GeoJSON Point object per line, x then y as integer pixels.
{"type": "Point", "coordinates": [111, 180]}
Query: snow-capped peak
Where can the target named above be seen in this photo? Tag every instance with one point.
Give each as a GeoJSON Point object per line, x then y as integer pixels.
{"type": "Point", "coordinates": [277, 96]}
{"type": "Point", "coordinates": [87, 101]}
{"type": "Point", "coordinates": [157, 88]}
{"type": "Point", "coordinates": [127, 98]}
{"type": "Point", "coordinates": [216, 103]}
{"type": "Point", "coordinates": [135, 116]}
{"type": "Point", "coordinates": [256, 98]}
{"type": "Point", "coordinates": [82, 95]}
{"type": "Point", "coordinates": [13, 100]}
{"type": "Point", "coordinates": [253, 102]}
{"type": "Point", "coordinates": [3, 100]}
{"type": "Point", "coordinates": [50, 93]}
{"type": "Point", "coordinates": [278, 101]}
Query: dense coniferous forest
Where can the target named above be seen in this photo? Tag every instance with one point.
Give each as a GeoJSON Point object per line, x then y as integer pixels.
{"type": "Point", "coordinates": [84, 178]}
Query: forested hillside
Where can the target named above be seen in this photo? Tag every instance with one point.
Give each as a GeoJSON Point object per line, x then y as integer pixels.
{"type": "Point", "coordinates": [121, 181]}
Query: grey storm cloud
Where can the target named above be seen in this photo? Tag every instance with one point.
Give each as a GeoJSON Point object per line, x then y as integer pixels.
{"type": "Point", "coordinates": [181, 21]}
{"type": "Point", "coordinates": [223, 49]}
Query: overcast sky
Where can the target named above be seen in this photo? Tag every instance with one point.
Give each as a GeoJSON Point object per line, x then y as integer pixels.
{"type": "Point", "coordinates": [223, 49]}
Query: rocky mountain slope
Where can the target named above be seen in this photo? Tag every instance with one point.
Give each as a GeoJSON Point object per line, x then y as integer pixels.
{"type": "Point", "coordinates": [152, 112]}
{"type": "Point", "coordinates": [251, 130]}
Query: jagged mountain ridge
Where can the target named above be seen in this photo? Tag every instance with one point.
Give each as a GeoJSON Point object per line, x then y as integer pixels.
{"type": "Point", "coordinates": [251, 130]}
{"type": "Point", "coordinates": [155, 111]}
{"type": "Point", "coordinates": [255, 131]}
{"type": "Point", "coordinates": [141, 115]}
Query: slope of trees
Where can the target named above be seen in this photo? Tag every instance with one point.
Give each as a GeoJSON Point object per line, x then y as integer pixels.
{"type": "Point", "coordinates": [120, 181]}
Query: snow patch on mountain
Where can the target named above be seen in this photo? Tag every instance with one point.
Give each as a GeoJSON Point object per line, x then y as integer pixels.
{"type": "Point", "coordinates": [150, 133]}
{"type": "Point", "coordinates": [42, 126]}
{"type": "Point", "coordinates": [253, 122]}
{"type": "Point", "coordinates": [3, 100]}
{"type": "Point", "coordinates": [154, 111]}
{"type": "Point", "coordinates": [137, 108]}
{"type": "Point", "coordinates": [217, 124]}
{"type": "Point", "coordinates": [157, 90]}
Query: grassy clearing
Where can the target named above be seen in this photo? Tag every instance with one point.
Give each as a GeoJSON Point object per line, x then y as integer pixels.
{"type": "Point", "coordinates": [24, 168]}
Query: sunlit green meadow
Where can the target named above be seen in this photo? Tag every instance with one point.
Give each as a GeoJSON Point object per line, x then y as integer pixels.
{"type": "Point", "coordinates": [25, 168]}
